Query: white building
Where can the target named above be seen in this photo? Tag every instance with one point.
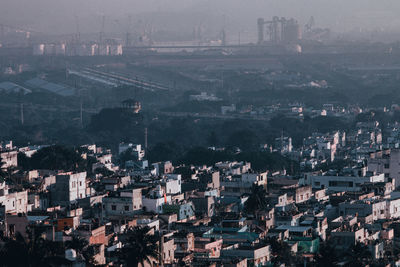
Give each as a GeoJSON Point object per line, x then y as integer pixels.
{"type": "Point", "coordinates": [16, 202]}
{"type": "Point", "coordinates": [9, 159]}
{"type": "Point", "coordinates": [155, 200]}
{"type": "Point", "coordinates": [386, 162]}
{"type": "Point", "coordinates": [173, 184]}
{"type": "Point", "coordinates": [342, 183]}
{"type": "Point", "coordinates": [68, 187]}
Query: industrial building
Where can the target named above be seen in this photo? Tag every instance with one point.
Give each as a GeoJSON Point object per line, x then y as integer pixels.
{"type": "Point", "coordinates": [279, 30]}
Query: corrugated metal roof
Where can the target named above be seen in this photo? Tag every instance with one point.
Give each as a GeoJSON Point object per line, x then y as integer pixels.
{"type": "Point", "coordinates": [13, 87]}
{"type": "Point", "coordinates": [51, 87]}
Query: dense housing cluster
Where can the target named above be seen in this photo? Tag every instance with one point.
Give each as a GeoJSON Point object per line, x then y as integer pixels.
{"type": "Point", "coordinates": [343, 202]}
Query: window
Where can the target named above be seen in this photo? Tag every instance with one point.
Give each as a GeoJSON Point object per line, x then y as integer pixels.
{"type": "Point", "coordinates": [317, 183]}
{"type": "Point", "coordinates": [113, 207]}
{"type": "Point", "coordinates": [382, 211]}
{"type": "Point", "coordinates": [80, 183]}
{"type": "Point", "coordinates": [386, 166]}
{"type": "Point", "coordinates": [332, 183]}
{"type": "Point", "coordinates": [126, 208]}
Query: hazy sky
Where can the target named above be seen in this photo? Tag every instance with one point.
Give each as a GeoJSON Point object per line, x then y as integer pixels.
{"type": "Point", "coordinates": [59, 15]}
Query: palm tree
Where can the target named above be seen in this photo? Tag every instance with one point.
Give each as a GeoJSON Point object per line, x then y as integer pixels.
{"type": "Point", "coordinates": [257, 200]}
{"type": "Point", "coordinates": [359, 255]}
{"type": "Point", "coordinates": [14, 252]}
{"type": "Point", "coordinates": [140, 247]}
{"type": "Point", "coordinates": [32, 252]}
{"type": "Point", "coordinates": [81, 246]}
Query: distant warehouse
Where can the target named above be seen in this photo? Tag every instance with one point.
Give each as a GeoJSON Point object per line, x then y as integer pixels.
{"type": "Point", "coordinates": [51, 87]}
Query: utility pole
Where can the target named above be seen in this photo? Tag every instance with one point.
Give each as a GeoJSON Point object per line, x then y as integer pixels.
{"type": "Point", "coordinates": [103, 22]}
{"type": "Point", "coordinates": [128, 32]}
{"type": "Point", "coordinates": [145, 138]}
{"type": "Point", "coordinates": [81, 115]}
{"type": "Point", "coordinates": [22, 113]}
{"type": "Point", "coordinates": [78, 34]}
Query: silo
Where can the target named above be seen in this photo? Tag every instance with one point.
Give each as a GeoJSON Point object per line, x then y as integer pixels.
{"type": "Point", "coordinates": [94, 49]}
{"type": "Point", "coordinates": [83, 50]}
{"type": "Point", "coordinates": [38, 50]}
{"type": "Point", "coordinates": [115, 50]}
{"type": "Point", "coordinates": [49, 49]}
{"type": "Point", "coordinates": [291, 31]}
{"type": "Point", "coordinates": [60, 49]}
{"type": "Point", "coordinates": [104, 50]}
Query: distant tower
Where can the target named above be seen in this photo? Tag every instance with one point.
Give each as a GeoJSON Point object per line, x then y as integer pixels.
{"type": "Point", "coordinates": [223, 37]}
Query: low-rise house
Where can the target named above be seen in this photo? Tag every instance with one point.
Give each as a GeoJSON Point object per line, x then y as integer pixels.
{"type": "Point", "coordinates": [257, 255]}
{"type": "Point", "coordinates": [69, 187]}
{"type": "Point", "coordinates": [155, 200]}
{"type": "Point", "coordinates": [127, 203]}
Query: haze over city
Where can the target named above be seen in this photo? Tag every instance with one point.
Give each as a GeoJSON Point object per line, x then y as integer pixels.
{"type": "Point", "coordinates": [50, 16]}
{"type": "Point", "coordinates": [223, 133]}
